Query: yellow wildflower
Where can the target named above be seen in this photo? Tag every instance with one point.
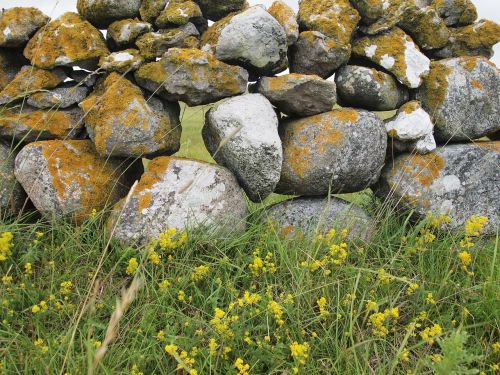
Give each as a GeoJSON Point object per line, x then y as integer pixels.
{"type": "Point", "coordinates": [338, 253]}
{"type": "Point", "coordinates": [163, 285]}
{"type": "Point", "coordinates": [300, 352]}
{"type": "Point", "coordinates": [132, 267]}
{"type": "Point", "coordinates": [6, 245]}
{"type": "Point", "coordinates": [241, 366]}
{"type": "Point", "coordinates": [28, 269]}
{"type": "Point", "coordinates": [405, 355]}
{"type": "Point", "coordinates": [430, 333]}
{"type": "Point", "coordinates": [6, 280]}
{"type": "Point", "coordinates": [212, 346]}
{"type": "Point", "coordinates": [160, 336]}
{"type": "Point", "coordinates": [430, 299]}
{"type": "Point", "coordinates": [496, 347]}
{"type": "Point", "coordinates": [35, 309]}
{"type": "Point", "coordinates": [153, 256]}
{"type": "Point", "coordinates": [221, 323]}
{"type": "Point", "coordinates": [322, 302]}
{"type": "Point", "coordinates": [66, 287]}
{"type": "Point", "coordinates": [170, 349]}
{"type": "Point", "coordinates": [377, 321]}
{"type": "Point", "coordinates": [275, 309]}
{"type": "Point", "coordinates": [475, 225]}
{"type": "Point", "coordinates": [135, 370]}
{"type": "Point", "coordinates": [412, 288]}
{"type": "Point", "coordinates": [465, 258]}
{"type": "Point", "coordinates": [371, 305]}
{"type": "Point", "coordinates": [200, 273]}
{"type": "Point", "coordinates": [384, 277]}
{"type": "Point", "coordinates": [171, 240]}
{"type": "Point", "coordinates": [181, 295]}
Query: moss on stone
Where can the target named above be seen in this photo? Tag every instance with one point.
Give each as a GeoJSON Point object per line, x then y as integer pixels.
{"type": "Point", "coordinates": [178, 12]}
{"type": "Point", "coordinates": [435, 85]}
{"type": "Point", "coordinates": [151, 9]}
{"type": "Point", "coordinates": [468, 40]}
{"type": "Point", "coordinates": [125, 32]}
{"type": "Point", "coordinates": [425, 27]}
{"type": "Point", "coordinates": [18, 24]}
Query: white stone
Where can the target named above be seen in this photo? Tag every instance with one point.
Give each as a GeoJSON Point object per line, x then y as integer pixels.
{"type": "Point", "coordinates": [410, 126]}
{"type": "Point", "coordinates": [417, 64]}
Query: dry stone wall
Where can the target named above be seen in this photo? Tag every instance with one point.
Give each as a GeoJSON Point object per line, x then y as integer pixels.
{"type": "Point", "coordinates": [79, 112]}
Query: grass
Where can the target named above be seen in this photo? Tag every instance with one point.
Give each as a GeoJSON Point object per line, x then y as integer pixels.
{"type": "Point", "coordinates": [74, 301]}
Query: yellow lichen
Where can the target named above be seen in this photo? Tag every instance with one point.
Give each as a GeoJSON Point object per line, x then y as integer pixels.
{"type": "Point", "coordinates": [425, 26]}
{"type": "Point", "coordinates": [481, 35]}
{"type": "Point", "coordinates": [211, 36]}
{"type": "Point", "coordinates": [178, 12]}
{"type": "Point", "coordinates": [424, 168]}
{"type": "Point", "coordinates": [435, 85]}
{"type": "Point", "coordinates": [20, 21]}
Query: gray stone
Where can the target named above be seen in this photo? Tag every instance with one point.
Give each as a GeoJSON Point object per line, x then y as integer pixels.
{"type": "Point", "coordinates": [379, 15]}
{"type": "Point", "coordinates": [341, 151]}
{"type": "Point", "coordinates": [18, 24]}
{"type": "Point", "coordinates": [178, 13]}
{"type": "Point", "coordinates": [192, 76]}
{"type": "Point", "coordinates": [456, 180]}
{"type": "Point", "coordinates": [241, 134]}
{"type": "Point", "coordinates": [122, 122]}
{"type": "Point", "coordinates": [463, 97]}
{"type": "Point", "coordinates": [122, 34]}
{"type": "Point", "coordinates": [299, 94]}
{"type": "Point", "coordinates": [456, 12]}
{"type": "Point", "coordinates": [125, 61]}
{"type": "Point", "coordinates": [425, 27]}
{"type": "Point", "coordinates": [495, 136]}
{"type": "Point", "coordinates": [151, 9]}
{"type": "Point", "coordinates": [85, 78]}
{"type": "Point", "coordinates": [369, 88]}
{"type": "Point", "coordinates": [314, 53]}
{"type": "Point", "coordinates": [102, 13]}
{"type": "Point", "coordinates": [214, 10]}
{"type": "Point", "coordinates": [69, 179]}
{"type": "Point", "coordinates": [183, 194]}
{"type": "Point", "coordinates": [11, 62]}
{"type": "Point", "coordinates": [313, 216]}
{"type": "Point", "coordinates": [12, 195]}
{"type": "Point", "coordinates": [287, 18]}
{"type": "Point", "coordinates": [253, 39]}
{"type": "Point", "coordinates": [63, 96]}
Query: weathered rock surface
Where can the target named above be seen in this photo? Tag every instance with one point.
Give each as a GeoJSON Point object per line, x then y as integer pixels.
{"type": "Point", "coordinates": [192, 76]}
{"type": "Point", "coordinates": [314, 53]}
{"type": "Point", "coordinates": [253, 39]}
{"type": "Point", "coordinates": [12, 195]}
{"type": "Point", "coordinates": [311, 216]}
{"type": "Point", "coordinates": [151, 9]}
{"type": "Point", "coordinates": [214, 10]}
{"type": "Point", "coordinates": [340, 151]}
{"type": "Point", "coordinates": [11, 62]}
{"type": "Point", "coordinates": [299, 94]}
{"type": "Point", "coordinates": [183, 194]}
{"type": "Point", "coordinates": [456, 12]}
{"type": "Point", "coordinates": [31, 124]}
{"type": "Point", "coordinates": [495, 136]}
{"type": "Point", "coordinates": [63, 96]}
{"type": "Point", "coordinates": [122, 34]}
{"type": "Point", "coordinates": [242, 134]}
{"type": "Point", "coordinates": [18, 24]}
{"type": "Point", "coordinates": [463, 97]}
{"type": "Point", "coordinates": [379, 15]}
{"type": "Point", "coordinates": [425, 26]}
{"type": "Point", "coordinates": [412, 129]}
{"type": "Point", "coordinates": [69, 178]}
{"type": "Point", "coordinates": [457, 180]}
{"type": "Point", "coordinates": [121, 122]}
{"type": "Point", "coordinates": [396, 52]}
{"type": "Point", "coordinates": [66, 41]}
{"type": "Point", "coordinates": [178, 13]}
{"type": "Point", "coordinates": [125, 61]}
{"type": "Point", "coordinates": [369, 88]}
{"type": "Point", "coordinates": [102, 13]}
{"type": "Point", "coordinates": [83, 77]}
{"type": "Point", "coordinates": [155, 44]}
{"type": "Point", "coordinates": [287, 18]}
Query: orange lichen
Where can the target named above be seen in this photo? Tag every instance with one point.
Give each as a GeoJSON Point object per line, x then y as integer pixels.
{"type": "Point", "coordinates": [151, 9]}
{"type": "Point", "coordinates": [346, 115]}
{"type": "Point", "coordinates": [211, 36]}
{"type": "Point", "coordinates": [156, 169]}
{"type": "Point", "coordinates": [178, 12]}
{"type": "Point", "coordinates": [410, 107]}
{"type": "Point", "coordinates": [489, 145]}
{"type": "Point", "coordinates": [483, 34]}
{"type": "Point", "coordinates": [31, 79]}
{"type": "Point", "coordinates": [285, 16]}
{"type": "Point", "coordinates": [476, 84]}
{"type": "Point", "coordinates": [425, 26]}
{"type": "Point", "coordinates": [132, 27]}
{"type": "Point", "coordinates": [425, 168]}
{"type": "Point", "coordinates": [21, 22]}
{"type": "Point", "coordinates": [155, 44]}
{"type": "Point", "coordinates": [435, 85]}
{"type": "Point", "coordinates": [469, 62]}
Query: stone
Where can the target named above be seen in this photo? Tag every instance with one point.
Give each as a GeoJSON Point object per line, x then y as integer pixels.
{"type": "Point", "coordinates": [396, 52]}
{"type": "Point", "coordinates": [155, 44]}
{"type": "Point", "coordinates": [457, 180]}
{"type": "Point", "coordinates": [183, 194]}
{"type": "Point", "coordinates": [335, 19]}
{"type": "Point", "coordinates": [252, 39]}
{"type": "Point", "coordinates": [474, 40]}
{"type": "Point", "coordinates": [178, 13]}
{"type": "Point", "coordinates": [287, 19]}
{"type": "Point", "coordinates": [412, 129]}
{"type": "Point", "coordinates": [29, 80]}
{"type": "Point", "coordinates": [12, 195]}
{"type": "Point", "coordinates": [241, 134]}
{"type": "Point", "coordinates": [192, 76]}
{"type": "Point", "coordinates": [462, 95]}
{"type": "Point", "coordinates": [63, 96]}
{"type": "Point", "coordinates": [312, 216]}
{"type": "Point", "coordinates": [215, 10]}
{"type": "Point", "coordinates": [11, 62]}
{"type": "Point", "coordinates": [456, 12]}
{"type": "Point", "coordinates": [314, 53]}
{"type": "Point", "coordinates": [102, 13]}
{"type": "Point", "coordinates": [83, 77]}
{"type": "Point", "coordinates": [122, 122]}
{"type": "Point", "coordinates": [67, 41]}
{"type": "Point", "coordinates": [425, 27]}
{"type": "Point", "coordinates": [124, 61]}
{"type": "Point", "coordinates": [151, 9]}
{"type": "Point", "coordinates": [68, 179]}
{"type": "Point", "coordinates": [379, 15]}
{"type": "Point", "coordinates": [31, 124]}
{"type": "Point", "coordinates": [341, 151]}
{"type": "Point", "coordinates": [18, 24]}
{"type": "Point", "coordinates": [495, 136]}
{"type": "Point", "coordinates": [369, 88]}
{"type": "Point", "coordinates": [299, 94]}
{"type": "Point", "coordinates": [123, 34]}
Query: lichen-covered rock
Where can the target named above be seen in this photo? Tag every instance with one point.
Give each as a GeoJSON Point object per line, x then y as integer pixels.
{"type": "Point", "coordinates": [69, 179]}
{"type": "Point", "coordinates": [379, 15]}
{"type": "Point", "coordinates": [456, 12]}
{"type": "Point", "coordinates": [121, 122]}
{"type": "Point", "coordinates": [29, 80]}
{"type": "Point", "coordinates": [412, 129]}
{"type": "Point", "coordinates": [155, 44]}
{"type": "Point", "coordinates": [299, 94]}
{"type": "Point", "coordinates": [313, 215]}
{"type": "Point", "coordinates": [314, 53]}
{"type": "Point", "coordinates": [18, 24]}
{"type": "Point", "coordinates": [462, 95]}
{"type": "Point", "coordinates": [66, 41]}
{"type": "Point", "coordinates": [63, 96]}
{"type": "Point", "coordinates": [474, 40]}
{"type": "Point", "coordinates": [178, 13]}
{"type": "Point", "coordinates": [335, 19]}
{"type": "Point", "coordinates": [11, 62]}
{"type": "Point", "coordinates": [12, 195]}
{"type": "Point", "coordinates": [192, 76]}
{"type": "Point", "coordinates": [341, 151]}
{"type": "Point", "coordinates": [242, 134]}
{"type": "Point", "coordinates": [31, 124]}
{"type": "Point", "coordinates": [151, 9]}
{"type": "Point", "coordinates": [457, 180]}
{"type": "Point", "coordinates": [396, 52]}
{"type": "Point", "coordinates": [369, 88]}
{"type": "Point", "coordinates": [102, 13]}
{"type": "Point", "coordinates": [287, 18]}
{"type": "Point", "coordinates": [425, 26]}
{"type": "Point", "coordinates": [122, 34]}
{"type": "Point", "coordinates": [253, 39]}
{"type": "Point", "coordinates": [125, 61]}
{"type": "Point", "coordinates": [215, 10]}
{"type": "Point", "coordinates": [183, 194]}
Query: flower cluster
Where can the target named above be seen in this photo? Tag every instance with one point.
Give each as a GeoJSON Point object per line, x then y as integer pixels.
{"type": "Point", "coordinates": [378, 321]}
{"type": "Point", "coordinates": [6, 245]}
{"type": "Point", "coordinates": [260, 266]}
{"type": "Point", "coordinates": [170, 240]}
{"type": "Point", "coordinates": [430, 333]}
